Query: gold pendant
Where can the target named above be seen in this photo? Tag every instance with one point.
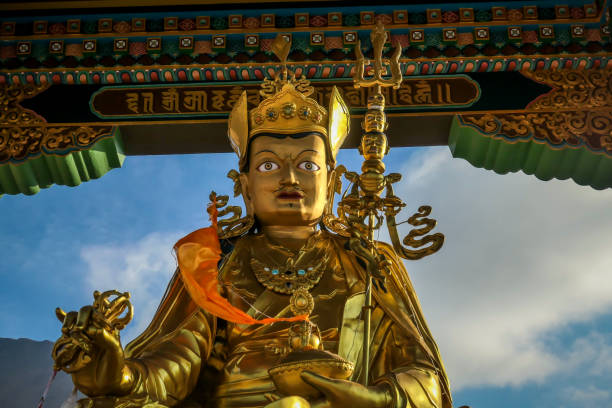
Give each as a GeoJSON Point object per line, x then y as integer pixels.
{"type": "Point", "coordinates": [301, 302]}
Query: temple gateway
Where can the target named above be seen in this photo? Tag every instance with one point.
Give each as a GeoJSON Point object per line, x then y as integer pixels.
{"type": "Point", "coordinates": [508, 86]}
{"type": "Point", "coordinates": [294, 304]}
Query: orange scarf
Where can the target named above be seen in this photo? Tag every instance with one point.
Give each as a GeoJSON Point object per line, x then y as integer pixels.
{"type": "Point", "coordinates": [198, 255]}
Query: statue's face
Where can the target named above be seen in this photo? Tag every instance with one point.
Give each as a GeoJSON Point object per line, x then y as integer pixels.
{"type": "Point", "coordinates": [287, 180]}
{"type": "Point", "coordinates": [373, 146]}
{"type": "Point", "coordinates": [375, 121]}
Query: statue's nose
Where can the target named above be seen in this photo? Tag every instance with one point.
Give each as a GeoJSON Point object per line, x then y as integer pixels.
{"type": "Point", "coordinates": [289, 176]}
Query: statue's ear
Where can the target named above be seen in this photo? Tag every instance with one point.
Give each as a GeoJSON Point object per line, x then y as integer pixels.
{"type": "Point", "coordinates": [246, 196]}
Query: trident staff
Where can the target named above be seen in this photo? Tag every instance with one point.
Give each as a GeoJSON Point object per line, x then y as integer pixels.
{"type": "Point", "coordinates": [361, 211]}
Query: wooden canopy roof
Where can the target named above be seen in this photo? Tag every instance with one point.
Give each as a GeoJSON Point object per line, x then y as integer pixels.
{"type": "Point", "coordinates": [508, 86]}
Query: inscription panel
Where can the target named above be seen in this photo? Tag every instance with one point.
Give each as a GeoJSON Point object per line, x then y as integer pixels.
{"type": "Point", "coordinates": [216, 99]}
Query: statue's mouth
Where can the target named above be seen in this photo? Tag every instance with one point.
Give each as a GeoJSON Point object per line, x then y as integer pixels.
{"type": "Point", "coordinates": [290, 195]}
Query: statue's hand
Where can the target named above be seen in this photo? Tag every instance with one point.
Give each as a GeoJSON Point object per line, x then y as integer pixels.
{"type": "Point", "coordinates": [90, 349]}
{"type": "Point", "coordinates": [342, 393]}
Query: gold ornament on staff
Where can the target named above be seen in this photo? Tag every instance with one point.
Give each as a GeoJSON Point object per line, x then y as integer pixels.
{"type": "Point", "coordinates": [362, 209]}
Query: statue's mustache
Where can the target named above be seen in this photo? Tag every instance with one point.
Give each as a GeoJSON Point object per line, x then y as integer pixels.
{"type": "Point", "coordinates": [289, 192]}
{"type": "Point", "coordinates": [293, 189]}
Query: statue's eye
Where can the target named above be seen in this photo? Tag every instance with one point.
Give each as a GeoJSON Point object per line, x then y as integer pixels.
{"type": "Point", "coordinates": [267, 166]}
{"type": "Point", "coordinates": [308, 166]}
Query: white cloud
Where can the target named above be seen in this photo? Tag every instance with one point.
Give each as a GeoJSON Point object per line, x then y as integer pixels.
{"type": "Point", "coordinates": [591, 355]}
{"type": "Point", "coordinates": [589, 397]}
{"type": "Point", "coordinates": [522, 258]}
{"type": "Point", "coordinates": [142, 268]}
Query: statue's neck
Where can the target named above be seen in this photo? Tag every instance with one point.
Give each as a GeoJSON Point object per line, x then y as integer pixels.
{"type": "Point", "coordinates": [291, 237]}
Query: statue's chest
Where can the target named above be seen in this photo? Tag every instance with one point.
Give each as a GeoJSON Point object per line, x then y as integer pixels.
{"type": "Point", "coordinates": [253, 349]}
{"type": "Point", "coordinates": [263, 296]}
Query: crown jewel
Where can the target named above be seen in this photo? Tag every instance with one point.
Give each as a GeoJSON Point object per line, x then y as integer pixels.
{"type": "Point", "coordinates": [288, 109]}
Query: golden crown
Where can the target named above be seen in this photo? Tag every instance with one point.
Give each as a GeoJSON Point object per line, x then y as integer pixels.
{"type": "Point", "coordinates": [288, 109]}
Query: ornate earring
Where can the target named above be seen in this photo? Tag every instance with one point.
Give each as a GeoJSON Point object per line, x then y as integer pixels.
{"type": "Point", "coordinates": [235, 225]}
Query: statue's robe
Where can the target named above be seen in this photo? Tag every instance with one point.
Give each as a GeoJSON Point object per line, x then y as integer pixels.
{"type": "Point", "coordinates": [188, 358]}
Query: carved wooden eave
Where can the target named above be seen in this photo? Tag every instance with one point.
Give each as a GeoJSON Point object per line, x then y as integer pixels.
{"type": "Point", "coordinates": [566, 133]}
{"type": "Point", "coordinates": [141, 77]}
{"type": "Point", "coordinates": [35, 154]}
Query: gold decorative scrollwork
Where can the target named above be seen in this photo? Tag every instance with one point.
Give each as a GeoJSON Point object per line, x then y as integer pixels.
{"type": "Point", "coordinates": [426, 244]}
{"type": "Point", "coordinates": [235, 225]}
{"type": "Point", "coordinates": [558, 129]}
{"type": "Point", "coordinates": [20, 143]}
{"type": "Point", "coordinates": [13, 114]}
{"type": "Point", "coordinates": [588, 89]}
{"type": "Point", "coordinates": [24, 133]}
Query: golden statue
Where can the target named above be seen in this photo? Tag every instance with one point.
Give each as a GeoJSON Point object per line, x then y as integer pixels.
{"type": "Point", "coordinates": [296, 307]}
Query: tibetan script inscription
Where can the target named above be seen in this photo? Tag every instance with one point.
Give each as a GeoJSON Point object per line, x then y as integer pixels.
{"type": "Point", "coordinates": [217, 99]}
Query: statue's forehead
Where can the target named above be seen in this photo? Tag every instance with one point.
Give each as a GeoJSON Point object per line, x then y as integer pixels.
{"type": "Point", "coordinates": [287, 144]}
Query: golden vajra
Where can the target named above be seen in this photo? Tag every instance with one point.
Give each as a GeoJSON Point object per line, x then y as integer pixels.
{"type": "Point", "coordinates": [73, 350]}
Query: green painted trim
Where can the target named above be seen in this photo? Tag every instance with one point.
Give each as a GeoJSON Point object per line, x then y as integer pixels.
{"type": "Point", "coordinates": [580, 164]}
{"type": "Point", "coordinates": [69, 170]}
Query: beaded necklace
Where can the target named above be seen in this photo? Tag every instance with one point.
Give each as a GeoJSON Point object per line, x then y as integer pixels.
{"type": "Point", "coordinates": [283, 271]}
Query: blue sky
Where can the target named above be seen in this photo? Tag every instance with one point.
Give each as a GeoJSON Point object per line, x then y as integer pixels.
{"type": "Point", "coordinates": [518, 299]}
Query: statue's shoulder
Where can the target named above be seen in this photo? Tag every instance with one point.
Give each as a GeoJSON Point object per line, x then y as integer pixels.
{"type": "Point", "coordinates": [337, 239]}
{"type": "Point", "coordinates": [245, 243]}
{"type": "Point", "coordinates": [240, 249]}
{"type": "Point", "coordinates": [343, 242]}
